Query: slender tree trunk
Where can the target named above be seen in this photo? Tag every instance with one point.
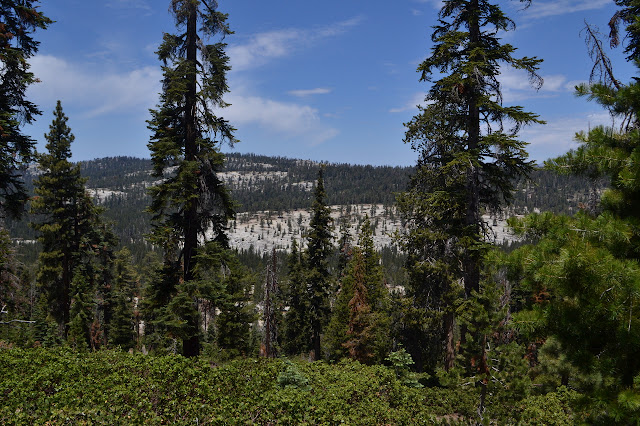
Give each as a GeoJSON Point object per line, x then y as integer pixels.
{"type": "Point", "coordinates": [470, 262]}
{"type": "Point", "coordinates": [450, 355]}
{"type": "Point", "coordinates": [316, 341]}
{"type": "Point", "coordinates": [191, 344]}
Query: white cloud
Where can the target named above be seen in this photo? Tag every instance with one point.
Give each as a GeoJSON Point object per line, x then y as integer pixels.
{"type": "Point", "coordinates": [542, 9]}
{"type": "Point", "coordinates": [412, 104]}
{"type": "Point", "coordinates": [558, 135]}
{"type": "Point", "coordinates": [277, 44]}
{"type": "Point", "coordinates": [515, 85]}
{"type": "Point", "coordinates": [96, 93]}
{"type": "Point", "coordinates": [287, 119]}
{"type": "Point", "coordinates": [133, 92]}
{"type": "Point", "coordinates": [309, 92]}
{"type": "Point", "coordinates": [437, 4]}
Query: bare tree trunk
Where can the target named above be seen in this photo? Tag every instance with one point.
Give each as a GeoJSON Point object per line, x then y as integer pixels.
{"type": "Point", "coordinates": [450, 355]}
{"type": "Point", "coordinates": [191, 345]}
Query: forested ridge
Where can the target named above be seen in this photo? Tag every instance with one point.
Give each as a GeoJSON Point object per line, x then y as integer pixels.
{"type": "Point", "coordinates": [281, 184]}
{"type": "Point", "coordinates": [201, 287]}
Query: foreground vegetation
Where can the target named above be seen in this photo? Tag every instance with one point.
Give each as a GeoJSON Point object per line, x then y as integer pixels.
{"type": "Point", "coordinates": [113, 387]}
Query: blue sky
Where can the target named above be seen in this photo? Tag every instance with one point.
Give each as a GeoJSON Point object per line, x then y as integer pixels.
{"type": "Point", "coordinates": [330, 80]}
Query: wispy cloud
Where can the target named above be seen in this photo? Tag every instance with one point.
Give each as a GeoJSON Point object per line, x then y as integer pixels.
{"type": "Point", "coordinates": [412, 104]}
{"type": "Point", "coordinates": [515, 85]}
{"type": "Point", "coordinates": [437, 4]}
{"type": "Point", "coordinates": [291, 120]}
{"type": "Point", "coordinates": [99, 94]}
{"type": "Point", "coordinates": [558, 135]}
{"type": "Point", "coordinates": [308, 92]}
{"type": "Point", "coordinates": [96, 93]}
{"type": "Point", "coordinates": [261, 48]}
{"type": "Point", "coordinates": [543, 9]}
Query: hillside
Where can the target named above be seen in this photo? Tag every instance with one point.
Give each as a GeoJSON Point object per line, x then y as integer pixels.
{"type": "Point", "coordinates": [273, 196]}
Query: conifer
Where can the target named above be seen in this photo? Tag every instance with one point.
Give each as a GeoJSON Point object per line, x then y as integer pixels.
{"type": "Point", "coordinates": [296, 337]}
{"type": "Point", "coordinates": [316, 261]}
{"type": "Point", "coordinates": [469, 158]}
{"type": "Point", "coordinates": [69, 225]}
{"type": "Point", "coordinates": [190, 202]}
{"type": "Point", "coordinates": [18, 21]}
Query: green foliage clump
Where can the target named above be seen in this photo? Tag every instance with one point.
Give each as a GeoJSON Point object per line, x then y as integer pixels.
{"type": "Point", "coordinates": [290, 376]}
{"type": "Point", "coordinates": [401, 363]}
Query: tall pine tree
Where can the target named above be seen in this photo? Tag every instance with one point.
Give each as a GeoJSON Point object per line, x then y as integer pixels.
{"type": "Point", "coordinates": [319, 249]}
{"type": "Point", "coordinates": [469, 156]}
{"type": "Point", "coordinates": [18, 20]}
{"type": "Point", "coordinates": [64, 218]}
{"type": "Point", "coordinates": [191, 202]}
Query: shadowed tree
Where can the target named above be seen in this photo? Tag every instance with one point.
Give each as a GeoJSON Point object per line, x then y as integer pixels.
{"type": "Point", "coordinates": [18, 20]}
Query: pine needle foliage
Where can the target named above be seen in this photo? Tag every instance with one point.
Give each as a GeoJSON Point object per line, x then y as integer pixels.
{"type": "Point", "coordinates": [587, 265]}
{"type": "Point", "coordinates": [190, 203]}
{"type": "Point", "coordinates": [68, 223]}
{"type": "Point", "coordinates": [19, 19]}
{"type": "Point", "coordinates": [316, 261]}
{"type": "Point", "coordinates": [469, 157]}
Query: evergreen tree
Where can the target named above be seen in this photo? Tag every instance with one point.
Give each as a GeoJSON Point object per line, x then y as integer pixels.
{"type": "Point", "coordinates": [271, 309]}
{"type": "Point", "coordinates": [224, 285]}
{"type": "Point", "coordinates": [19, 19]}
{"type": "Point", "coordinates": [191, 200]}
{"type": "Point", "coordinates": [469, 159]}
{"type": "Point", "coordinates": [125, 283]}
{"type": "Point", "coordinates": [360, 320]}
{"type": "Point", "coordinates": [316, 261]}
{"type": "Point", "coordinates": [68, 222]}
{"type": "Point", "coordinates": [360, 324]}
{"type": "Point", "coordinates": [296, 335]}
{"type": "Point", "coordinates": [585, 267]}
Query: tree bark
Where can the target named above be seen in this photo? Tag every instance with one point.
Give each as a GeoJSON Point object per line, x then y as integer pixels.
{"type": "Point", "coordinates": [191, 344]}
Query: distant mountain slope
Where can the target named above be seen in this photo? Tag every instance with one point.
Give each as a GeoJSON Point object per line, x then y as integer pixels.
{"type": "Point", "coordinates": [283, 188]}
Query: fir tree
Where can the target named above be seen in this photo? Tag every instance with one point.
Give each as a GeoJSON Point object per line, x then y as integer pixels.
{"type": "Point", "coordinates": [296, 337]}
{"type": "Point", "coordinates": [469, 158]}
{"type": "Point", "coordinates": [125, 283]}
{"type": "Point", "coordinates": [319, 249]}
{"type": "Point", "coordinates": [271, 311]}
{"type": "Point", "coordinates": [360, 320]}
{"type": "Point", "coordinates": [68, 223]}
{"type": "Point", "coordinates": [19, 19]}
{"type": "Point", "coordinates": [191, 201]}
{"type": "Point", "coordinates": [360, 324]}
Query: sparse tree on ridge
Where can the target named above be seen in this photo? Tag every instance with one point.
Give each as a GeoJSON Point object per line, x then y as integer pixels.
{"type": "Point", "coordinates": [191, 202]}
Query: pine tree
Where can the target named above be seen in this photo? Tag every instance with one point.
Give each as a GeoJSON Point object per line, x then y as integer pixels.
{"type": "Point", "coordinates": [296, 334]}
{"type": "Point", "coordinates": [586, 266]}
{"type": "Point", "coordinates": [469, 157]}
{"type": "Point", "coordinates": [65, 217]}
{"type": "Point", "coordinates": [360, 320]}
{"type": "Point", "coordinates": [316, 261]}
{"type": "Point", "coordinates": [360, 324]}
{"type": "Point", "coordinates": [125, 283]}
{"type": "Point", "coordinates": [191, 200]}
{"type": "Point", "coordinates": [19, 19]}
{"type": "Point", "coordinates": [271, 312]}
